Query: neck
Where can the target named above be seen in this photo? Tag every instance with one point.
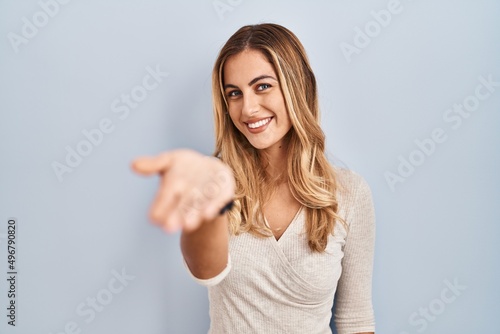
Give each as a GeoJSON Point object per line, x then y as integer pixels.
{"type": "Point", "coordinates": [275, 160]}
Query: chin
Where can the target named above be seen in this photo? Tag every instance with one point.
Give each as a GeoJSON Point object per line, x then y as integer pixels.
{"type": "Point", "coordinates": [260, 147]}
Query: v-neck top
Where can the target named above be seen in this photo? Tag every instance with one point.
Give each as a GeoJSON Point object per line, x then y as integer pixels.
{"type": "Point", "coordinates": [291, 222]}
{"type": "Point", "coordinates": [281, 286]}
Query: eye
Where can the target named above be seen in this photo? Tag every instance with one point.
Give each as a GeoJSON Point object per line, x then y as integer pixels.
{"type": "Point", "coordinates": [262, 87]}
{"type": "Point", "coordinates": [233, 93]}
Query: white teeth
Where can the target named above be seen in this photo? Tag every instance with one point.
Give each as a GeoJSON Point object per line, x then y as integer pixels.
{"type": "Point", "coordinates": [259, 123]}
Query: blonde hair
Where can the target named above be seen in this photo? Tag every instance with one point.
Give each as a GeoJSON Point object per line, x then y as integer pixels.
{"type": "Point", "coordinates": [310, 176]}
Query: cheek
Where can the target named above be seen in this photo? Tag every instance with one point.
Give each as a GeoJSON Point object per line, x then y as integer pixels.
{"type": "Point", "coordinates": [279, 108]}
{"type": "Point", "coordinates": [233, 115]}
{"type": "Point", "coordinates": [234, 118]}
{"type": "Point", "coordinates": [233, 108]}
{"type": "Point", "coordinates": [276, 103]}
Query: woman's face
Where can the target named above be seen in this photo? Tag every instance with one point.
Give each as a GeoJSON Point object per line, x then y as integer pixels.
{"type": "Point", "coordinates": [255, 101]}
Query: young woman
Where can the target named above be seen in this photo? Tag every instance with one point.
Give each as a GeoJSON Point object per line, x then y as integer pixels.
{"type": "Point", "coordinates": [301, 231]}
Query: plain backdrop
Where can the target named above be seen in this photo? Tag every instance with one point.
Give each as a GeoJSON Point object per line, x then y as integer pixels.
{"type": "Point", "coordinates": [410, 97]}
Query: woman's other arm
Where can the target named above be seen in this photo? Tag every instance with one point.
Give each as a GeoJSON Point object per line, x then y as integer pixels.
{"type": "Point", "coordinates": [353, 301]}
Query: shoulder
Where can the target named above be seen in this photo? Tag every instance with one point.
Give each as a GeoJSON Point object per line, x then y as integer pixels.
{"type": "Point", "coordinates": [353, 192]}
{"type": "Point", "coordinates": [350, 183]}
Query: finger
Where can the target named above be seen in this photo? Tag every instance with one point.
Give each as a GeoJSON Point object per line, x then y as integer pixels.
{"type": "Point", "coordinates": [167, 198]}
{"type": "Point", "coordinates": [173, 222]}
{"type": "Point", "coordinates": [191, 208]}
{"type": "Point", "coordinates": [166, 216]}
{"type": "Point", "coordinates": [191, 220]}
{"type": "Point", "coordinates": [152, 165]}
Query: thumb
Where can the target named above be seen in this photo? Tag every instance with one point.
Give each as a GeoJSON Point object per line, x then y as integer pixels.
{"type": "Point", "coordinates": [152, 165]}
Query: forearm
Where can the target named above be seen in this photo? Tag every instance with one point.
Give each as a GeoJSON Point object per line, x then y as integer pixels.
{"type": "Point", "coordinates": [205, 250]}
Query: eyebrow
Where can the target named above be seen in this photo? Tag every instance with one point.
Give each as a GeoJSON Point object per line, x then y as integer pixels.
{"type": "Point", "coordinates": [254, 80]}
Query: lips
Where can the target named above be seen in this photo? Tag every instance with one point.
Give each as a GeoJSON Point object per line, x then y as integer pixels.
{"type": "Point", "coordinates": [260, 123]}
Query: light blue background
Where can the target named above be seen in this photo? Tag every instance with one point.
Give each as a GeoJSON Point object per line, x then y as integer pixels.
{"type": "Point", "coordinates": [441, 224]}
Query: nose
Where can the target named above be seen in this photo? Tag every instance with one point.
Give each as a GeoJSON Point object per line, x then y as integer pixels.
{"type": "Point", "coordinates": [250, 104]}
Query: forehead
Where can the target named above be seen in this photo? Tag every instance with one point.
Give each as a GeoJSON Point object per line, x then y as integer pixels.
{"type": "Point", "coordinates": [245, 66]}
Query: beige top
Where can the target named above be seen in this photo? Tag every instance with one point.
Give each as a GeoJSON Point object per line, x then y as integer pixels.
{"type": "Point", "coordinates": [272, 286]}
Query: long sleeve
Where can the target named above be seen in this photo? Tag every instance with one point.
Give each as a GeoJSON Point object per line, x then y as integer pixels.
{"type": "Point", "coordinates": [281, 286]}
{"type": "Point", "coordinates": [353, 300]}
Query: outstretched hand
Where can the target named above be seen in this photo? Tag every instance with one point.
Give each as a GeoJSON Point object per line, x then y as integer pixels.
{"type": "Point", "coordinates": [193, 188]}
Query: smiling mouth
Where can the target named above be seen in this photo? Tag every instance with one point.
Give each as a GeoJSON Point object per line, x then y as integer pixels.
{"type": "Point", "coordinates": [259, 124]}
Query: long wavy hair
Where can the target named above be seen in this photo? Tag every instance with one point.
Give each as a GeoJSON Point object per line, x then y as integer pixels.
{"type": "Point", "coordinates": [310, 176]}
